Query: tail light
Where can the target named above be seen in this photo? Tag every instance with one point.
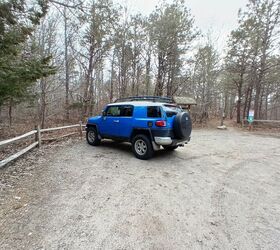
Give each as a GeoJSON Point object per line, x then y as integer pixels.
{"type": "Point", "coordinates": [161, 123]}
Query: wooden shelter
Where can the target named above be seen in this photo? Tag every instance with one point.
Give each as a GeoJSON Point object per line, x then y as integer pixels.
{"type": "Point", "coordinates": [185, 102]}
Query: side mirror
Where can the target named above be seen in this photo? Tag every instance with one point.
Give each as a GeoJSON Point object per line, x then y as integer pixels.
{"type": "Point", "coordinates": [103, 113]}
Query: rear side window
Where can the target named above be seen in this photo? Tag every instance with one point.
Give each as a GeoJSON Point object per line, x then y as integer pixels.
{"type": "Point", "coordinates": [170, 113]}
{"type": "Point", "coordinates": [126, 111]}
{"type": "Point", "coordinates": [153, 112]}
{"type": "Point", "coordinates": [171, 110]}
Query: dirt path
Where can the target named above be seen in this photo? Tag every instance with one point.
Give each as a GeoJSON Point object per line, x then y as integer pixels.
{"type": "Point", "coordinates": [222, 191]}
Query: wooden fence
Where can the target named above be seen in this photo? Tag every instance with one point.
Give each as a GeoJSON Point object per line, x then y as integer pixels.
{"type": "Point", "coordinates": [262, 121]}
{"type": "Point", "coordinates": [245, 121]}
{"type": "Point", "coordinates": [38, 140]}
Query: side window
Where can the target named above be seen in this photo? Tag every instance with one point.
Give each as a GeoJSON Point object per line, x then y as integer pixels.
{"type": "Point", "coordinates": [126, 111]}
{"type": "Point", "coordinates": [113, 111]}
{"type": "Point", "coordinates": [154, 112]}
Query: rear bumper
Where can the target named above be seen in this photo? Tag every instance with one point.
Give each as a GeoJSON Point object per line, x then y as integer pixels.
{"type": "Point", "coordinates": [168, 141]}
{"type": "Point", "coordinates": [163, 140]}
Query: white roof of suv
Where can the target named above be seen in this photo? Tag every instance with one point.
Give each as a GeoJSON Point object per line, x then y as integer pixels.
{"type": "Point", "coordinates": [140, 103]}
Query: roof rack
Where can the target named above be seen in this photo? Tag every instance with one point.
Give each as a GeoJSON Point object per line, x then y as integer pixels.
{"type": "Point", "coordinates": [146, 98]}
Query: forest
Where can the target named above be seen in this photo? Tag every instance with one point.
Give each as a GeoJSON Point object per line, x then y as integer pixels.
{"type": "Point", "coordinates": [61, 61]}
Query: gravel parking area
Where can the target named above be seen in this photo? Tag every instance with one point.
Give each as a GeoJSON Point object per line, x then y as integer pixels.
{"type": "Point", "coordinates": [222, 191]}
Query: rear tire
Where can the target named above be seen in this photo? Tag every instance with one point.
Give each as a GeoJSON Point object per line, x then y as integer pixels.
{"type": "Point", "coordinates": [170, 148]}
{"type": "Point", "coordinates": [142, 147]}
{"type": "Point", "coordinates": [92, 137]}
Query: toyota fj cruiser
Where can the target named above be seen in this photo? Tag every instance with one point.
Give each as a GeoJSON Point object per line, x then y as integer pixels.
{"type": "Point", "coordinates": [146, 122]}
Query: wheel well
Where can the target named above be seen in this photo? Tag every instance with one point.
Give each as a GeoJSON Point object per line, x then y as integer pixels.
{"type": "Point", "coordinates": [137, 131]}
{"type": "Point", "coordinates": [92, 126]}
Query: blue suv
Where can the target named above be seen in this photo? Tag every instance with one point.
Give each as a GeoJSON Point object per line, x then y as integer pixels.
{"type": "Point", "coordinates": [148, 123]}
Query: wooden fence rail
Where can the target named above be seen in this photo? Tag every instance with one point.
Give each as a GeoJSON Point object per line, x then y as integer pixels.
{"type": "Point", "coordinates": [38, 140]}
{"type": "Point", "coordinates": [58, 128]}
{"type": "Point", "coordinates": [267, 121]}
{"type": "Point", "coordinates": [262, 121]}
{"type": "Point", "coordinates": [18, 154]}
{"type": "Point", "coordinates": [3, 143]}
{"type": "Point", "coordinates": [245, 121]}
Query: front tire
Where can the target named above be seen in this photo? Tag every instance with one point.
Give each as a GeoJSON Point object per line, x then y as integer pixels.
{"type": "Point", "coordinates": [142, 147]}
{"type": "Point", "coordinates": [92, 137]}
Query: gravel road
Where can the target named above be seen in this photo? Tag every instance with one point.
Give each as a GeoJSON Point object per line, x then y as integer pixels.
{"type": "Point", "coordinates": [222, 191]}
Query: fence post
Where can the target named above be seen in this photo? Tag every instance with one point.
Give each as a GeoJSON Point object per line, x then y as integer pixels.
{"type": "Point", "coordinates": [81, 129]}
{"type": "Point", "coordinates": [250, 126]}
{"type": "Point", "coordinates": [38, 136]}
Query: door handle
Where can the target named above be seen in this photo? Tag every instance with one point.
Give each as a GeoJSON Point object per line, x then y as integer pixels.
{"type": "Point", "coordinates": [116, 121]}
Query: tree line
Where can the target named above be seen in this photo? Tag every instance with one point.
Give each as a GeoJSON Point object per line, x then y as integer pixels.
{"type": "Point", "coordinates": [63, 60]}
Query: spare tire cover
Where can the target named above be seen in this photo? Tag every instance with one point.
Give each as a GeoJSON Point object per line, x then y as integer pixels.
{"type": "Point", "coordinates": [182, 125]}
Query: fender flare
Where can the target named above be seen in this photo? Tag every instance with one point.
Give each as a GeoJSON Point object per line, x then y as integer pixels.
{"type": "Point", "coordinates": [92, 126]}
{"type": "Point", "coordinates": [145, 131]}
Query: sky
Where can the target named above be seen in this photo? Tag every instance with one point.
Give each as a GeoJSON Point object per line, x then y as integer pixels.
{"type": "Point", "coordinates": [217, 16]}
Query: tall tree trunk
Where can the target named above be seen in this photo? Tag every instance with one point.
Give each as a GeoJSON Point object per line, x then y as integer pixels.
{"type": "Point", "coordinates": [226, 105]}
{"type": "Point", "coordinates": [232, 104]}
{"type": "Point", "coordinates": [266, 107]}
{"type": "Point", "coordinates": [238, 106]}
{"type": "Point", "coordinates": [43, 103]}
{"type": "Point", "coordinates": [257, 100]}
{"type": "Point", "coordinates": [246, 103]}
{"type": "Point", "coordinates": [88, 83]}
{"type": "Point", "coordinates": [134, 71]}
{"type": "Point", "coordinates": [138, 80]}
{"type": "Point", "coordinates": [261, 104]}
{"type": "Point", "coordinates": [160, 77]}
{"type": "Point", "coordinates": [91, 98]}
{"type": "Point", "coordinates": [112, 78]}
{"type": "Point", "coordinates": [66, 67]}
{"type": "Point", "coordinates": [250, 100]}
{"type": "Point", "coordinates": [10, 112]}
{"type": "Point", "coordinates": [262, 70]}
{"type": "Point", "coordinates": [238, 111]}
{"type": "Point", "coordinates": [170, 81]}
{"type": "Point", "coordinates": [148, 72]}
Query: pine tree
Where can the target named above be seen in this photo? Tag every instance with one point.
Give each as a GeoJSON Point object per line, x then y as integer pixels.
{"type": "Point", "coordinates": [19, 67]}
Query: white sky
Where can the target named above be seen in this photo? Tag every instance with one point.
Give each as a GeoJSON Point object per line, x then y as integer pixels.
{"type": "Point", "coordinates": [218, 16]}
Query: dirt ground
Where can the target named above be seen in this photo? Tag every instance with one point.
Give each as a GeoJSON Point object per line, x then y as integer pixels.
{"type": "Point", "coordinates": [222, 191]}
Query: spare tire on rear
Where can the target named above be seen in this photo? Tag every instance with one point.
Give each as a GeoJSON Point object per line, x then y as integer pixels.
{"type": "Point", "coordinates": [182, 125]}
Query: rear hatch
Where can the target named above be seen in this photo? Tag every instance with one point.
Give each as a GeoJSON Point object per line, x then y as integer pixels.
{"type": "Point", "coordinates": [171, 110]}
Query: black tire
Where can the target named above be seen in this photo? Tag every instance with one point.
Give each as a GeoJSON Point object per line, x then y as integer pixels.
{"type": "Point", "coordinates": [142, 147]}
{"type": "Point", "coordinates": [182, 125]}
{"type": "Point", "coordinates": [92, 137]}
{"type": "Point", "coordinates": [170, 148]}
